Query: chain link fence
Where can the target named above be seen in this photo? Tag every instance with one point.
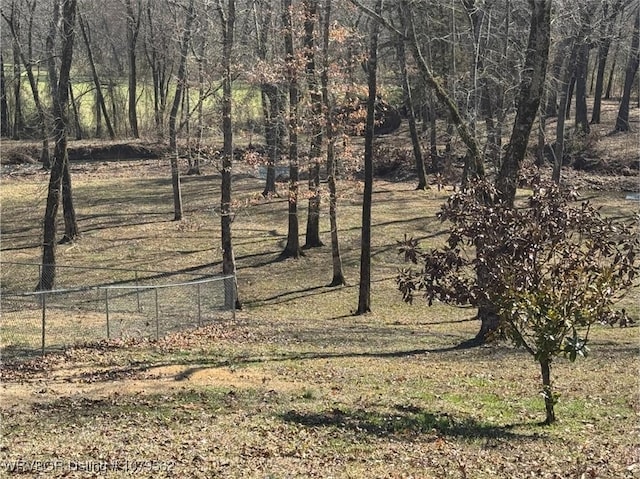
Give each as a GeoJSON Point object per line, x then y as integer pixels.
{"type": "Point", "coordinates": [90, 304]}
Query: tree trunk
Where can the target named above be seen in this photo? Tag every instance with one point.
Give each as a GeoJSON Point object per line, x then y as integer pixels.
{"type": "Point", "coordinates": [227, 20]}
{"type": "Point", "coordinates": [181, 81]}
{"type": "Point", "coordinates": [271, 108]}
{"type": "Point", "coordinates": [336, 257]}
{"type": "Point", "coordinates": [76, 115]}
{"type": "Point", "coordinates": [475, 164]}
{"type": "Point", "coordinates": [607, 94]}
{"type": "Point", "coordinates": [96, 80]}
{"type": "Point", "coordinates": [531, 88]}
{"type": "Point", "coordinates": [292, 248]}
{"type": "Point", "coordinates": [566, 73]}
{"type": "Point", "coordinates": [603, 53]}
{"type": "Point", "coordinates": [364, 296]}
{"type": "Point", "coordinates": [313, 217]}
{"type": "Point", "coordinates": [408, 103]}
{"type": "Point", "coordinates": [582, 62]}
{"type": "Point", "coordinates": [18, 118]}
{"type": "Point", "coordinates": [5, 127]}
{"type": "Point", "coordinates": [622, 121]}
{"type": "Point", "coordinates": [57, 181]}
{"type": "Point", "coordinates": [133, 28]}
{"type": "Point", "coordinates": [547, 391]}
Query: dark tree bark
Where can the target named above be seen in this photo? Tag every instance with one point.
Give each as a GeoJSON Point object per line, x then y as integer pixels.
{"type": "Point", "coordinates": [364, 296]}
{"type": "Point", "coordinates": [582, 62]}
{"type": "Point", "coordinates": [292, 248]}
{"type": "Point", "coordinates": [315, 150]}
{"type": "Point", "coordinates": [153, 47]}
{"type": "Point", "coordinates": [408, 103]}
{"type": "Point", "coordinates": [5, 126]}
{"type": "Point", "coordinates": [622, 120]}
{"type": "Point", "coordinates": [566, 73]}
{"type": "Point", "coordinates": [531, 89]}
{"type": "Point", "coordinates": [336, 257]}
{"type": "Point", "coordinates": [59, 179]}
{"type": "Point", "coordinates": [227, 22]}
{"type": "Point", "coordinates": [96, 80]}
{"type": "Point", "coordinates": [273, 111]}
{"type": "Point", "coordinates": [133, 29]}
{"type": "Point", "coordinates": [272, 106]}
{"type": "Point", "coordinates": [547, 391]}
{"type": "Point", "coordinates": [607, 94]}
{"type": "Point", "coordinates": [604, 45]}
{"type": "Point", "coordinates": [173, 115]}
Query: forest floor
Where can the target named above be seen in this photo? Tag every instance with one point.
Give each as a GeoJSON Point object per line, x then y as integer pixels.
{"type": "Point", "coordinates": [296, 385]}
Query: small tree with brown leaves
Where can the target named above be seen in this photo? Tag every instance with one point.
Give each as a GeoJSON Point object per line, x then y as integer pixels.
{"type": "Point", "coordinates": [553, 268]}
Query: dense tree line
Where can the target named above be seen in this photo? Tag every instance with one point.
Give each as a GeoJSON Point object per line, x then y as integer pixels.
{"type": "Point", "coordinates": [305, 74]}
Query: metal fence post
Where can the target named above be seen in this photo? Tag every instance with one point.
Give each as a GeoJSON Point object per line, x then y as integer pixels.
{"type": "Point", "coordinates": [157, 316]}
{"type": "Point", "coordinates": [44, 315]}
{"type": "Point", "coordinates": [199, 307]}
{"type": "Point", "coordinates": [138, 293]}
{"type": "Point", "coordinates": [106, 309]}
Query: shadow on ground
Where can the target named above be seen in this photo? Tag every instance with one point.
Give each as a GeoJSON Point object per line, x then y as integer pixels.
{"type": "Point", "coordinates": [404, 420]}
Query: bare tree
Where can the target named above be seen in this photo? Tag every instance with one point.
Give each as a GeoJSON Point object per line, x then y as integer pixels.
{"type": "Point", "coordinates": [173, 132]}
{"type": "Point", "coordinates": [313, 217]}
{"type": "Point", "coordinates": [364, 295]}
{"type": "Point", "coordinates": [292, 248]}
{"type": "Point", "coordinates": [622, 120]}
{"type": "Point", "coordinates": [100, 103]}
{"type": "Point", "coordinates": [530, 93]}
{"type": "Point", "coordinates": [336, 257]}
{"type": "Point", "coordinates": [227, 22]}
{"type": "Point", "coordinates": [134, 15]}
{"type": "Point", "coordinates": [59, 180]}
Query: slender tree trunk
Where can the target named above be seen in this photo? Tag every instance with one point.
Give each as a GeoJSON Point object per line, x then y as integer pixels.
{"type": "Point", "coordinates": [607, 94]}
{"type": "Point", "coordinates": [408, 103]}
{"type": "Point", "coordinates": [603, 53]}
{"type": "Point", "coordinates": [622, 121]}
{"type": "Point", "coordinates": [57, 182]}
{"type": "Point", "coordinates": [547, 391]}
{"type": "Point", "coordinates": [292, 248]}
{"type": "Point", "coordinates": [133, 28]}
{"type": "Point", "coordinates": [227, 21]}
{"type": "Point", "coordinates": [563, 85]}
{"type": "Point", "coordinates": [475, 164]}
{"type": "Point", "coordinates": [271, 107]}
{"type": "Point", "coordinates": [572, 88]}
{"type": "Point", "coordinates": [336, 257]}
{"type": "Point", "coordinates": [531, 89]}
{"type": "Point", "coordinates": [315, 150]}
{"type": "Point", "coordinates": [181, 81]}
{"type": "Point", "coordinates": [18, 118]}
{"type": "Point", "coordinates": [96, 79]}
{"type": "Point", "coordinates": [582, 62]}
{"type": "Point", "coordinates": [76, 115]}
{"type": "Point", "coordinates": [364, 296]}
{"type": "Point", "coordinates": [5, 127]}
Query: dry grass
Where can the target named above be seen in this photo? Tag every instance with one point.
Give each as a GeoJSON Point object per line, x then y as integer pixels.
{"type": "Point", "coordinates": [297, 386]}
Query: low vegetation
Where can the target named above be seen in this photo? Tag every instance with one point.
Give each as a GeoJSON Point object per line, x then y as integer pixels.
{"type": "Point", "coordinates": [297, 386]}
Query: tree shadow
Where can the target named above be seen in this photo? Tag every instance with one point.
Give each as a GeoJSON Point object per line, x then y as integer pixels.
{"type": "Point", "coordinates": [404, 421]}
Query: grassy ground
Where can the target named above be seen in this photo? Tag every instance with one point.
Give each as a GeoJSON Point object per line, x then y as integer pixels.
{"type": "Point", "coordinates": [297, 386]}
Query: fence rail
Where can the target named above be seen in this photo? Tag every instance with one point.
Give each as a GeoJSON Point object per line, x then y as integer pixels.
{"type": "Point", "coordinates": [147, 304]}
